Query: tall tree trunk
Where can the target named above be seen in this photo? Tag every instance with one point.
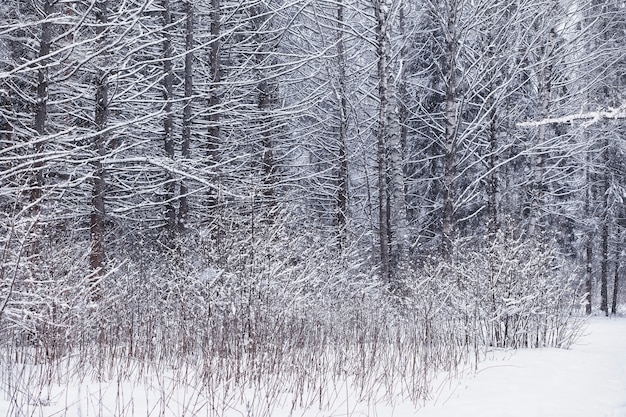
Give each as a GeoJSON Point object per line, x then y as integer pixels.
{"type": "Point", "coordinates": [267, 102]}
{"type": "Point", "coordinates": [214, 132]}
{"type": "Point", "coordinates": [604, 263]}
{"type": "Point", "coordinates": [589, 233]}
{"type": "Point", "coordinates": [545, 76]}
{"type": "Point", "coordinates": [537, 186]}
{"type": "Point", "coordinates": [492, 179]}
{"type": "Point", "coordinates": [451, 132]}
{"type": "Point", "coordinates": [183, 210]}
{"type": "Point", "coordinates": [383, 223]}
{"type": "Point", "coordinates": [6, 129]}
{"type": "Point", "coordinates": [393, 229]}
{"type": "Point", "coordinates": [168, 122]}
{"type": "Point", "coordinates": [97, 223]}
{"type": "Point", "coordinates": [267, 90]}
{"type": "Point", "coordinates": [41, 116]}
{"type": "Point", "coordinates": [342, 175]}
{"type": "Point", "coordinates": [398, 212]}
{"type": "Point", "coordinates": [383, 193]}
{"type": "Point", "coordinates": [589, 272]}
{"type": "Point", "coordinates": [41, 103]}
{"type": "Point", "coordinates": [616, 281]}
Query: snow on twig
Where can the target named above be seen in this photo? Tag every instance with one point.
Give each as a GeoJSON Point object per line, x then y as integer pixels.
{"type": "Point", "coordinates": [588, 118]}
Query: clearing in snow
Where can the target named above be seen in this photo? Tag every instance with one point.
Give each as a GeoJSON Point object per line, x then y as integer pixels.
{"type": "Point", "coordinates": [588, 380]}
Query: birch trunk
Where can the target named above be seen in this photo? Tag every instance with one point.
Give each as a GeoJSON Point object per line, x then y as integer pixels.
{"type": "Point", "coordinates": [393, 229]}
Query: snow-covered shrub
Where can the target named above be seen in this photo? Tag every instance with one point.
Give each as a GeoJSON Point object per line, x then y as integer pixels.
{"type": "Point", "coordinates": [509, 293]}
{"type": "Point", "coordinates": [271, 312]}
{"type": "Point", "coordinates": [285, 316]}
{"type": "Point", "coordinates": [44, 290]}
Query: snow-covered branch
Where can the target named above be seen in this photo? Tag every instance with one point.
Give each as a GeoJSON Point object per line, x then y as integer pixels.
{"type": "Point", "coordinates": [587, 118]}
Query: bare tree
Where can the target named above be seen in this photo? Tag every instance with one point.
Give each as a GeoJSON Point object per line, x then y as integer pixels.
{"type": "Point", "coordinates": [41, 102]}
{"type": "Point", "coordinates": [183, 211]}
{"type": "Point", "coordinates": [342, 114]}
{"type": "Point", "coordinates": [168, 122]}
{"type": "Point", "coordinates": [214, 118]}
{"type": "Point", "coordinates": [97, 223]}
{"type": "Point", "coordinates": [392, 224]}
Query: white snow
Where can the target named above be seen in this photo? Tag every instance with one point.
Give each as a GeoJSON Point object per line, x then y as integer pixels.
{"type": "Point", "coordinates": [588, 380]}
{"type": "Point", "coordinates": [588, 118]}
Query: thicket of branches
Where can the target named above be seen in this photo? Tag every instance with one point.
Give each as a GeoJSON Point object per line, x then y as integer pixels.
{"type": "Point", "coordinates": [260, 186]}
{"type": "Point", "coordinates": [290, 331]}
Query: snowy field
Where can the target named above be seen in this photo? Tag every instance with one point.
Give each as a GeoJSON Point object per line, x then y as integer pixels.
{"type": "Point", "coordinates": [588, 380]}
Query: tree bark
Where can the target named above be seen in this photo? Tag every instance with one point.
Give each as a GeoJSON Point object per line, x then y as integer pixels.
{"type": "Point", "coordinates": [183, 210]}
{"type": "Point", "coordinates": [214, 132]}
{"type": "Point", "coordinates": [589, 235]}
{"type": "Point", "coordinates": [451, 132]}
{"type": "Point", "coordinates": [616, 281]}
{"type": "Point", "coordinates": [393, 229]}
{"type": "Point", "coordinates": [267, 101]}
{"type": "Point", "coordinates": [492, 179]}
{"type": "Point", "coordinates": [41, 117]}
{"type": "Point", "coordinates": [168, 121]}
{"type": "Point", "coordinates": [342, 175]}
{"type": "Point", "coordinates": [41, 104]}
{"type": "Point", "coordinates": [604, 263]}
{"type": "Point", "coordinates": [545, 76]}
{"type": "Point", "coordinates": [98, 220]}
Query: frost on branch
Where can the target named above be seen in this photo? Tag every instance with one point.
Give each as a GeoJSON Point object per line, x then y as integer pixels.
{"type": "Point", "coordinates": [509, 294]}
{"type": "Point", "coordinates": [587, 119]}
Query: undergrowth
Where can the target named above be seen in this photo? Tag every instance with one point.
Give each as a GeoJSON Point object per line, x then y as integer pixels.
{"type": "Point", "coordinates": [296, 328]}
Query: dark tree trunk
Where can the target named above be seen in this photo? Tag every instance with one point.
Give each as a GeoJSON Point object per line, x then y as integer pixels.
{"type": "Point", "coordinates": [214, 98]}
{"type": "Point", "coordinates": [604, 269]}
{"type": "Point", "coordinates": [41, 106]}
{"type": "Point", "coordinates": [604, 265]}
{"type": "Point", "coordinates": [451, 133]}
{"type": "Point", "coordinates": [342, 176]}
{"type": "Point", "coordinates": [384, 231]}
{"type": "Point", "coordinates": [589, 233]}
{"type": "Point", "coordinates": [616, 280]}
{"type": "Point", "coordinates": [168, 122]}
{"type": "Point", "coordinates": [183, 211]}
{"type": "Point", "coordinates": [41, 116]}
{"type": "Point", "coordinates": [492, 178]}
{"type": "Point", "coordinates": [383, 207]}
{"type": "Point", "coordinates": [98, 220]}
{"type": "Point", "coordinates": [267, 102]}
{"type": "Point", "coordinates": [589, 273]}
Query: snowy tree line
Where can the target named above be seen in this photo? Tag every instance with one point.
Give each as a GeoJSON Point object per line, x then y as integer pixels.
{"type": "Point", "coordinates": [172, 168]}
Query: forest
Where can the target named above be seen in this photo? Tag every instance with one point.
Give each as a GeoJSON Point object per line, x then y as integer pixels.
{"type": "Point", "coordinates": [288, 196]}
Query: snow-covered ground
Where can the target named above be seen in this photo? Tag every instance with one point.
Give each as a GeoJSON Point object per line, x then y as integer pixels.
{"type": "Point", "coordinates": [588, 380]}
